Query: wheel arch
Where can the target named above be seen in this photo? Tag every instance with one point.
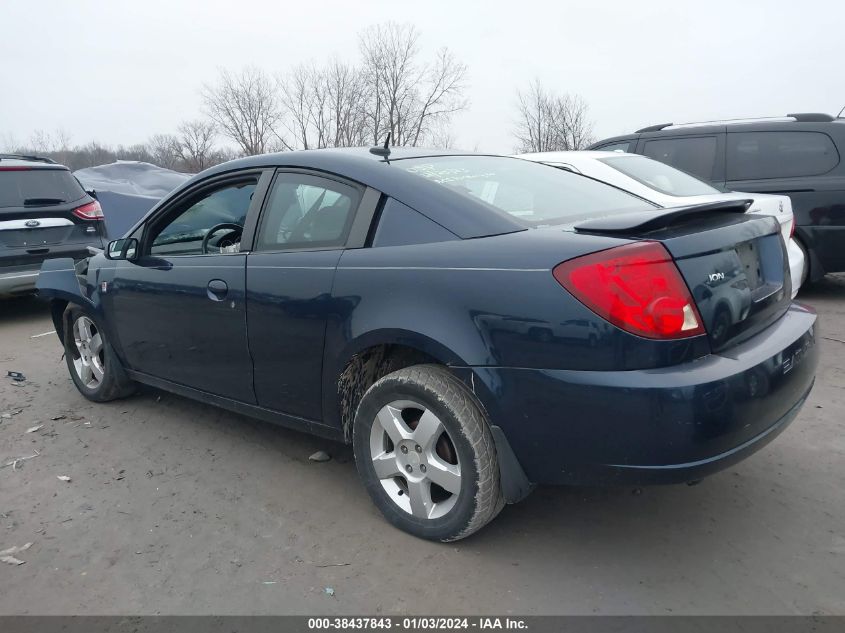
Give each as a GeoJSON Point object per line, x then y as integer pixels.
{"type": "Point", "coordinates": [367, 358]}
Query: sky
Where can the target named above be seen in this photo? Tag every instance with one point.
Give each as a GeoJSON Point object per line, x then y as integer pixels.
{"type": "Point", "coordinates": [118, 72]}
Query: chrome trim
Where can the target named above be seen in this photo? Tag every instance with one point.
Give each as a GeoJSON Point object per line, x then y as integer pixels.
{"type": "Point", "coordinates": [43, 223]}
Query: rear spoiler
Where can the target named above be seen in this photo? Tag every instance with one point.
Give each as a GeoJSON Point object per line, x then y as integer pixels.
{"type": "Point", "coordinates": [658, 218]}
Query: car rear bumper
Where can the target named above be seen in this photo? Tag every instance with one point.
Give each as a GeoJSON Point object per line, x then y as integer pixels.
{"type": "Point", "coordinates": [665, 425]}
{"type": "Point", "coordinates": [18, 279]}
{"type": "Point", "coordinates": [796, 265]}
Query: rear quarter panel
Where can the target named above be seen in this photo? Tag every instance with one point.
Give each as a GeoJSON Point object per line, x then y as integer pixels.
{"type": "Point", "coordinates": [487, 302]}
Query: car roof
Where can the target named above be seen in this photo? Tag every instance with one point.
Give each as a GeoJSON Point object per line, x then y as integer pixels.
{"type": "Point", "coordinates": [461, 215]}
{"type": "Point", "coordinates": [33, 162]}
{"type": "Point", "coordinates": [795, 122]}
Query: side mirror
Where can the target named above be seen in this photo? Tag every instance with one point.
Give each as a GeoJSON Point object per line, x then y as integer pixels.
{"type": "Point", "coordinates": [126, 248]}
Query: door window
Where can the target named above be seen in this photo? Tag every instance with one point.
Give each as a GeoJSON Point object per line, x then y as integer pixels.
{"type": "Point", "coordinates": [694, 155]}
{"type": "Point", "coordinates": [304, 211]}
{"type": "Point", "coordinates": [759, 155]}
{"type": "Point", "coordinates": [185, 234]}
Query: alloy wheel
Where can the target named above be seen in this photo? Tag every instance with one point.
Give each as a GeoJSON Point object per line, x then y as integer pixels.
{"type": "Point", "coordinates": [415, 459]}
{"type": "Point", "coordinates": [90, 364]}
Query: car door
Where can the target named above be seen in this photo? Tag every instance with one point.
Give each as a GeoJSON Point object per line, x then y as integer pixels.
{"type": "Point", "coordinates": [307, 221]}
{"type": "Point", "coordinates": [179, 309]}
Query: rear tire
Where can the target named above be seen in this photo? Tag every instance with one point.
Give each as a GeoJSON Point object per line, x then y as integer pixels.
{"type": "Point", "coordinates": [425, 453]}
{"type": "Point", "coordinates": [93, 365]}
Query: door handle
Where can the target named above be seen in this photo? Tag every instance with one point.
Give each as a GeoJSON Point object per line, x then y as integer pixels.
{"type": "Point", "coordinates": [217, 289]}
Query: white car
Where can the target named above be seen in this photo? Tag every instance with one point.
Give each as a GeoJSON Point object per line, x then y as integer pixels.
{"type": "Point", "coordinates": [669, 187]}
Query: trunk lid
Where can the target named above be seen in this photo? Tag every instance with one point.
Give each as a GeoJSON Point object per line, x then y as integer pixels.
{"type": "Point", "coordinates": [734, 264]}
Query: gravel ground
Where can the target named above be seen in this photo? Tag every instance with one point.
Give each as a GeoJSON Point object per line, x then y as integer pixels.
{"type": "Point", "coordinates": [176, 507]}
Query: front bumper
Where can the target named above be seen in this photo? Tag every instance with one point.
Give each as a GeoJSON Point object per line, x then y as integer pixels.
{"type": "Point", "coordinates": [666, 425]}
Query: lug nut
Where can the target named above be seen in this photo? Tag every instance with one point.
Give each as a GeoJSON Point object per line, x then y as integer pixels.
{"type": "Point", "coordinates": [409, 469]}
{"type": "Point", "coordinates": [422, 468]}
{"type": "Point", "coordinates": [404, 449]}
{"type": "Point", "coordinates": [418, 448]}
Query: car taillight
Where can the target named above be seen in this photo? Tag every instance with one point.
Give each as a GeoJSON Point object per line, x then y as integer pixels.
{"type": "Point", "coordinates": [90, 211]}
{"type": "Point", "coordinates": [791, 228]}
{"type": "Point", "coordinates": [637, 287]}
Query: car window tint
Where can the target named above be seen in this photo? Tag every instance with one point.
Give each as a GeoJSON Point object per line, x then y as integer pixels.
{"type": "Point", "coordinates": [400, 225]}
{"type": "Point", "coordinates": [184, 234]}
{"type": "Point", "coordinates": [696, 155]}
{"type": "Point", "coordinates": [532, 192]}
{"type": "Point", "coordinates": [759, 155]}
{"type": "Point", "coordinates": [619, 146]}
{"type": "Point", "coordinates": [659, 176]}
{"type": "Point", "coordinates": [17, 186]}
{"type": "Point", "coordinates": [305, 210]}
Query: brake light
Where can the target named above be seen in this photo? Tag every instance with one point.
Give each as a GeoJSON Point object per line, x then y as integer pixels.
{"type": "Point", "coordinates": [15, 168]}
{"type": "Point", "coordinates": [637, 287]}
{"type": "Point", "coordinates": [791, 228]}
{"type": "Point", "coordinates": [90, 211]}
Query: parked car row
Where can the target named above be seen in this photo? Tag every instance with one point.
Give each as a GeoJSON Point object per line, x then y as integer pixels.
{"type": "Point", "coordinates": [799, 155]}
{"type": "Point", "coordinates": [473, 325]}
{"type": "Point", "coordinates": [44, 213]}
{"type": "Point", "coordinates": [666, 186]}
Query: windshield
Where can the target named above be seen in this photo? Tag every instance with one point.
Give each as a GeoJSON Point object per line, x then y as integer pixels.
{"type": "Point", "coordinates": [534, 193]}
{"type": "Point", "coordinates": [659, 176]}
{"type": "Point", "coordinates": [23, 187]}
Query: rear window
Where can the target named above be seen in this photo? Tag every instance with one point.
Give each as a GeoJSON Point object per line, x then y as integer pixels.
{"type": "Point", "coordinates": [761, 155]}
{"type": "Point", "coordinates": [38, 187]}
{"type": "Point", "coordinates": [534, 193]}
{"type": "Point", "coordinates": [694, 155]}
{"type": "Point", "coordinates": [659, 176]}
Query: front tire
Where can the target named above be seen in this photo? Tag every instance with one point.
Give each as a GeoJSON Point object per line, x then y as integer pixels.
{"type": "Point", "coordinates": [425, 453]}
{"type": "Point", "coordinates": [94, 367]}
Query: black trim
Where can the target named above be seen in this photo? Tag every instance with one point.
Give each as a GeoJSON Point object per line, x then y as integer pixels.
{"type": "Point", "coordinates": [243, 408]}
{"type": "Point", "coordinates": [512, 478]}
{"type": "Point", "coordinates": [363, 223]}
{"type": "Point", "coordinates": [251, 225]}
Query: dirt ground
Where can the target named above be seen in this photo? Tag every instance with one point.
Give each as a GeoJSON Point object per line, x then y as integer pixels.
{"type": "Point", "coordinates": [175, 507]}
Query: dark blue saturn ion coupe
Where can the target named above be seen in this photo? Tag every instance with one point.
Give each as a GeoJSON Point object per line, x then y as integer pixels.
{"type": "Point", "coordinates": [473, 325]}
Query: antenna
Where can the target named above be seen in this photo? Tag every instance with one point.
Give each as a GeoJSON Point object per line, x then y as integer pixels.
{"type": "Point", "coordinates": [840, 112]}
{"type": "Point", "coordinates": [382, 151]}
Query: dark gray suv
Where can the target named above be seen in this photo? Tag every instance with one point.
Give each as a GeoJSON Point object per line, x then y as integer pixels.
{"type": "Point", "coordinates": [799, 155]}
{"type": "Point", "coordinates": [44, 213]}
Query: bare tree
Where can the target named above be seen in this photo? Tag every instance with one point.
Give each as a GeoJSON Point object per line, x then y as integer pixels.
{"type": "Point", "coordinates": [164, 150]}
{"type": "Point", "coordinates": [548, 122]}
{"type": "Point", "coordinates": [345, 87]}
{"type": "Point", "coordinates": [195, 145]}
{"type": "Point", "coordinates": [246, 108]}
{"type": "Point", "coordinates": [406, 97]}
{"type": "Point", "coordinates": [324, 107]}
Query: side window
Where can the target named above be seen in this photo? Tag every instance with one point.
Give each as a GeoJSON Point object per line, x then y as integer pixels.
{"type": "Point", "coordinates": [694, 155]}
{"type": "Point", "coordinates": [618, 146]}
{"type": "Point", "coordinates": [304, 211]}
{"type": "Point", "coordinates": [759, 155]}
{"type": "Point", "coordinates": [400, 225]}
{"type": "Point", "coordinates": [185, 234]}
